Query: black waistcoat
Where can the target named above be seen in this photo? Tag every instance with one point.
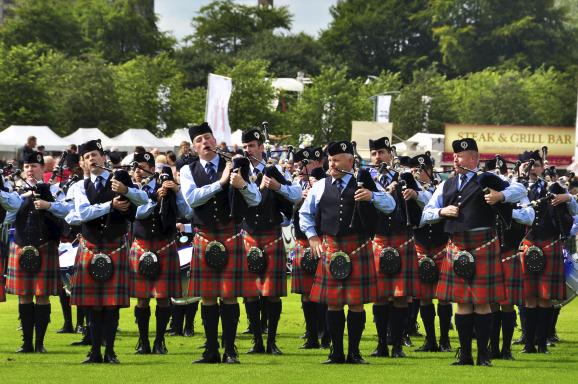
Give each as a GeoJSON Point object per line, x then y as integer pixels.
{"type": "Point", "coordinates": [396, 221]}
{"type": "Point", "coordinates": [474, 212]}
{"type": "Point", "coordinates": [103, 230]}
{"type": "Point", "coordinates": [155, 226]}
{"type": "Point", "coordinates": [431, 235]}
{"type": "Point", "coordinates": [335, 210]}
{"type": "Point", "coordinates": [267, 214]}
{"type": "Point", "coordinates": [215, 212]}
{"type": "Point", "coordinates": [35, 227]}
{"type": "Point", "coordinates": [550, 221]}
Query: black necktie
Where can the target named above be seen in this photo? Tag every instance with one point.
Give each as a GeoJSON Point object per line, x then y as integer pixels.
{"type": "Point", "coordinates": [98, 184]}
{"type": "Point", "coordinates": [339, 185]}
{"type": "Point", "coordinates": [464, 179]}
{"type": "Point", "coordinates": [210, 168]}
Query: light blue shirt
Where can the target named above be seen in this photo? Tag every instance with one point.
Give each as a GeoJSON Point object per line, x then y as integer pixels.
{"type": "Point", "coordinates": [197, 196]}
{"type": "Point", "coordinates": [383, 201]}
{"type": "Point", "coordinates": [525, 215]}
{"type": "Point", "coordinates": [512, 194]}
{"type": "Point", "coordinates": [145, 210]}
{"type": "Point", "coordinates": [88, 212]}
{"type": "Point", "coordinates": [289, 192]}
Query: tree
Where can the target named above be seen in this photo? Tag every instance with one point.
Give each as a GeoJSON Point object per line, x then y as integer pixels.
{"type": "Point", "coordinates": [327, 107]}
{"type": "Point", "coordinates": [252, 96]}
{"type": "Point", "coordinates": [48, 22]}
{"type": "Point", "coordinates": [371, 35]}
{"type": "Point", "coordinates": [474, 34]}
{"type": "Point", "coordinates": [23, 97]}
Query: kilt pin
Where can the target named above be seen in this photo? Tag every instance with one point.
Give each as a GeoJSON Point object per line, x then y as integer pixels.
{"type": "Point", "coordinates": [273, 282]}
{"type": "Point", "coordinates": [45, 282]}
{"type": "Point", "coordinates": [168, 282]}
{"type": "Point", "coordinates": [360, 287]}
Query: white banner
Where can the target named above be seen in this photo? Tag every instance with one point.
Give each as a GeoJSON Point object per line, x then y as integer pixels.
{"type": "Point", "coordinates": [219, 90]}
{"type": "Point", "coordinates": [382, 106]}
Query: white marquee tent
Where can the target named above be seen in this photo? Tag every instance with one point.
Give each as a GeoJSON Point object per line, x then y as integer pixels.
{"type": "Point", "coordinates": [126, 141]}
{"type": "Point", "coordinates": [15, 136]}
{"type": "Point", "coordinates": [179, 135]}
{"type": "Point", "coordinates": [82, 135]}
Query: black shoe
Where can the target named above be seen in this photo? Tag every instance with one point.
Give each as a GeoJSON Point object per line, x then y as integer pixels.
{"type": "Point", "coordinates": [507, 355]}
{"type": "Point", "coordinates": [463, 359]}
{"type": "Point", "coordinates": [406, 341]}
{"type": "Point", "coordinates": [272, 349]}
{"type": "Point", "coordinates": [333, 359]}
{"type": "Point", "coordinates": [93, 358]}
{"type": "Point", "coordinates": [189, 332]}
{"type": "Point", "coordinates": [265, 330]}
{"type": "Point", "coordinates": [26, 348]}
{"type": "Point", "coordinates": [79, 329]}
{"type": "Point", "coordinates": [355, 358]}
{"type": "Point", "coordinates": [143, 348]}
{"type": "Point", "coordinates": [415, 331]}
{"type": "Point", "coordinates": [84, 341]}
{"type": "Point", "coordinates": [325, 342]}
{"type": "Point", "coordinates": [159, 347]}
{"type": "Point", "coordinates": [495, 354]}
{"type": "Point", "coordinates": [397, 352]}
{"type": "Point", "coordinates": [247, 331]}
{"type": "Point", "coordinates": [208, 358]}
{"type": "Point", "coordinates": [445, 346]}
{"type": "Point", "coordinates": [428, 346]}
{"type": "Point", "coordinates": [531, 349]}
{"type": "Point", "coordinates": [173, 333]}
{"type": "Point", "coordinates": [230, 358]}
{"type": "Point", "coordinates": [554, 338]}
{"type": "Point", "coordinates": [257, 348]}
{"type": "Point", "coordinates": [483, 362]}
{"type": "Point", "coordinates": [39, 348]}
{"type": "Point", "coordinates": [310, 344]}
{"type": "Point", "coordinates": [110, 358]}
{"type": "Point", "coordinates": [521, 340]}
{"type": "Point", "coordinates": [381, 350]}
{"type": "Point", "coordinates": [543, 349]}
{"type": "Point", "coordinates": [305, 336]}
{"type": "Point", "coordinates": [66, 328]}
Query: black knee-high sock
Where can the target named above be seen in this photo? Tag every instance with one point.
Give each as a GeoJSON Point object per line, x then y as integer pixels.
{"type": "Point", "coordinates": [230, 318]}
{"type": "Point", "coordinates": [412, 314]}
{"type": "Point", "coordinates": [543, 322]}
{"type": "Point", "coordinates": [428, 314]}
{"type": "Point", "coordinates": [96, 329]}
{"type": "Point", "coordinates": [522, 315]}
{"type": "Point", "coordinates": [381, 318]}
{"type": "Point", "coordinates": [111, 316]}
{"type": "Point", "coordinates": [190, 312]}
{"type": "Point", "coordinates": [80, 316]}
{"type": "Point", "coordinates": [210, 316]}
{"type": "Point", "coordinates": [178, 317]}
{"type": "Point", "coordinates": [162, 315]}
{"type": "Point", "coordinates": [398, 322]}
{"type": "Point", "coordinates": [41, 320]}
{"type": "Point", "coordinates": [355, 326]}
{"type": "Point", "coordinates": [496, 327]}
{"type": "Point", "coordinates": [531, 316]}
{"type": "Point", "coordinates": [508, 321]}
{"type": "Point", "coordinates": [322, 319]}
{"type": "Point", "coordinates": [445, 316]}
{"type": "Point", "coordinates": [66, 309]}
{"type": "Point", "coordinates": [264, 303]}
{"type": "Point", "coordinates": [274, 314]}
{"type": "Point", "coordinates": [310, 314]}
{"type": "Point", "coordinates": [26, 312]}
{"type": "Point", "coordinates": [465, 327]}
{"type": "Point", "coordinates": [336, 326]}
{"type": "Point", "coordinates": [253, 309]}
{"type": "Point", "coordinates": [555, 315]}
{"type": "Point", "coordinates": [143, 315]}
{"type": "Point", "coordinates": [483, 325]}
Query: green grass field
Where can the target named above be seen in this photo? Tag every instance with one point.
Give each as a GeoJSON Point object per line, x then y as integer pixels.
{"type": "Point", "coordinates": [62, 363]}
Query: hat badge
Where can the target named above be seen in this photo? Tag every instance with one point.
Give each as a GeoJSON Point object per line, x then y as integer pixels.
{"type": "Point", "coordinates": [39, 157]}
{"type": "Point", "coordinates": [99, 146]}
{"type": "Point", "coordinates": [420, 160]}
{"type": "Point", "coordinates": [317, 154]}
{"type": "Point", "coordinates": [464, 144]}
{"type": "Point", "coordinates": [386, 141]}
{"type": "Point", "coordinates": [500, 163]}
{"type": "Point", "coordinates": [147, 157]}
{"type": "Point", "coordinates": [343, 146]}
{"type": "Point", "coordinates": [305, 153]}
{"type": "Point", "coordinates": [257, 135]}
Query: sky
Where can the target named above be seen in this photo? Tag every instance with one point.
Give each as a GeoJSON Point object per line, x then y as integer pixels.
{"type": "Point", "coordinates": [309, 16]}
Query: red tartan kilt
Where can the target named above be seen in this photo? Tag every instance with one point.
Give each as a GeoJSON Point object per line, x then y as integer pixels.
{"type": "Point", "coordinates": [2, 282]}
{"type": "Point", "coordinates": [234, 280]}
{"type": "Point", "coordinates": [550, 284]}
{"type": "Point", "coordinates": [45, 282]}
{"type": "Point", "coordinates": [272, 283]}
{"type": "Point", "coordinates": [487, 286]}
{"type": "Point", "coordinates": [428, 291]}
{"type": "Point", "coordinates": [168, 283]}
{"type": "Point", "coordinates": [88, 292]}
{"type": "Point", "coordinates": [406, 282]}
{"type": "Point", "coordinates": [359, 288]}
{"type": "Point", "coordinates": [301, 282]}
{"type": "Point", "coordinates": [513, 278]}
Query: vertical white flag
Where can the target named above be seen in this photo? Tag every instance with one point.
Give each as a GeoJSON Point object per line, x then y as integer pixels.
{"type": "Point", "coordinates": [382, 108]}
{"type": "Point", "coordinates": [217, 110]}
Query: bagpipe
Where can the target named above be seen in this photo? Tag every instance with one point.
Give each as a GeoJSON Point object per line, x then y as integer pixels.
{"type": "Point", "coordinates": [124, 177]}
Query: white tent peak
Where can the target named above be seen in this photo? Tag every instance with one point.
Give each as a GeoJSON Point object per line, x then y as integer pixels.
{"type": "Point", "coordinates": [82, 135]}
{"type": "Point", "coordinates": [15, 136]}
{"type": "Point", "coordinates": [126, 141]}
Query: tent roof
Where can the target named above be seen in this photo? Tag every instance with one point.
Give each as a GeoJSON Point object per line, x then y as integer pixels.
{"type": "Point", "coordinates": [132, 137]}
{"type": "Point", "coordinates": [179, 135]}
{"type": "Point", "coordinates": [82, 135]}
{"type": "Point", "coordinates": [15, 136]}
{"type": "Point", "coordinates": [287, 84]}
